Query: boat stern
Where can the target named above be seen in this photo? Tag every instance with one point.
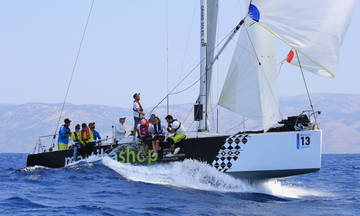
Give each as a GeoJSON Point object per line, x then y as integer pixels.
{"type": "Point", "coordinates": [270, 155]}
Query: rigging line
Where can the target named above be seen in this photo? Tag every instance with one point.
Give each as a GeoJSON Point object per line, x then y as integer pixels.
{"type": "Point", "coordinates": [307, 89]}
{"type": "Point", "coordinates": [188, 37]}
{"type": "Point", "coordinates": [73, 69]}
{"type": "Point", "coordinates": [280, 68]}
{"type": "Point", "coordinates": [217, 84]}
{"type": "Point", "coordinates": [167, 56]}
{"type": "Point", "coordinates": [191, 71]}
{"type": "Point", "coordinates": [188, 114]}
{"type": "Point", "coordinates": [248, 36]}
{"type": "Point", "coordinates": [187, 88]}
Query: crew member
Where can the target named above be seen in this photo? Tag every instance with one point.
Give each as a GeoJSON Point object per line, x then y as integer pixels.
{"type": "Point", "coordinates": [87, 139]}
{"type": "Point", "coordinates": [120, 130]}
{"type": "Point", "coordinates": [96, 134]}
{"type": "Point", "coordinates": [158, 134]}
{"type": "Point", "coordinates": [75, 140]}
{"type": "Point", "coordinates": [175, 127]}
{"type": "Point", "coordinates": [64, 135]}
{"type": "Point", "coordinates": [138, 112]}
{"type": "Point", "coordinates": [145, 130]}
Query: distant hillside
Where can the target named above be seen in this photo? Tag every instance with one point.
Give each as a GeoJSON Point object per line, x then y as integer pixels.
{"type": "Point", "coordinates": [20, 125]}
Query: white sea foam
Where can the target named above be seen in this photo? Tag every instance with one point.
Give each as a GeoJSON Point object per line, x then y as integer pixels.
{"type": "Point", "coordinates": [87, 161]}
{"type": "Point", "coordinates": [196, 175]}
{"type": "Point", "coordinates": [282, 189]}
{"type": "Point", "coordinates": [33, 168]}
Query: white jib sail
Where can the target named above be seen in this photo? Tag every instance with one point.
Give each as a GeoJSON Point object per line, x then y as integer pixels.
{"type": "Point", "coordinates": [250, 89]}
{"type": "Point", "coordinates": [315, 28]}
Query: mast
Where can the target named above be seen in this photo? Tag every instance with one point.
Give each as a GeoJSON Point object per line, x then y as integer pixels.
{"type": "Point", "coordinates": [208, 24]}
{"type": "Point", "coordinates": [203, 69]}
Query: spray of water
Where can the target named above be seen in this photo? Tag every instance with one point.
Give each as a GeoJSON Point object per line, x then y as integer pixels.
{"type": "Point", "coordinates": [197, 175]}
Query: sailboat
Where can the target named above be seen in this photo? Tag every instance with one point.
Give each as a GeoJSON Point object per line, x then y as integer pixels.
{"type": "Point", "coordinates": [314, 32]}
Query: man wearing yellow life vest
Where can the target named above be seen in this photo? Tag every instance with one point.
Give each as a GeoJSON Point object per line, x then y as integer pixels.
{"type": "Point", "coordinates": [87, 139]}
{"type": "Point", "coordinates": [75, 140]}
{"type": "Point", "coordinates": [175, 127]}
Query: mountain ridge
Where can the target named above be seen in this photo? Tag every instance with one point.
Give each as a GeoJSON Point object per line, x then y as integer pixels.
{"type": "Point", "coordinates": [22, 124]}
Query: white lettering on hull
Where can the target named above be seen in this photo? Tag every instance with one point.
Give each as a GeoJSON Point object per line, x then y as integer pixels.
{"type": "Point", "coordinates": [99, 154]}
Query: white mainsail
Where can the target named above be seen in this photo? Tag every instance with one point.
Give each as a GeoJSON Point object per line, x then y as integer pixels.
{"type": "Point", "coordinates": [315, 29]}
{"type": "Point", "coordinates": [250, 88]}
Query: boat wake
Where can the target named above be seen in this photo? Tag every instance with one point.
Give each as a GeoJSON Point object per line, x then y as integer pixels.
{"type": "Point", "coordinates": [197, 175]}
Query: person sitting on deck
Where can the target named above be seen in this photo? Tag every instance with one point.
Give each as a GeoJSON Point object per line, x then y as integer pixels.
{"type": "Point", "coordinates": [158, 134]}
{"type": "Point", "coordinates": [120, 129]}
{"type": "Point", "coordinates": [64, 135]}
{"type": "Point", "coordinates": [86, 139]}
{"type": "Point", "coordinates": [96, 134]}
{"type": "Point", "coordinates": [145, 130]}
{"type": "Point", "coordinates": [75, 140]}
{"type": "Point", "coordinates": [175, 127]}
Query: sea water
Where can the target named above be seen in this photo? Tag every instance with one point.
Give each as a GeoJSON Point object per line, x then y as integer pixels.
{"type": "Point", "coordinates": [105, 187]}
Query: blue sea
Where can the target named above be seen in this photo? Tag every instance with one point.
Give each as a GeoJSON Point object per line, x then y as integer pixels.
{"type": "Point", "coordinates": [105, 187]}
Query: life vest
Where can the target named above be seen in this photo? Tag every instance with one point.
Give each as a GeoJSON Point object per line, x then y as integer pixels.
{"type": "Point", "coordinates": [76, 137]}
{"type": "Point", "coordinates": [141, 108]}
{"type": "Point", "coordinates": [67, 130]}
{"type": "Point", "coordinates": [62, 132]}
{"type": "Point", "coordinates": [177, 127]}
{"type": "Point", "coordinates": [87, 138]}
{"type": "Point", "coordinates": [158, 129]}
{"type": "Point", "coordinates": [95, 135]}
{"type": "Point", "coordinates": [144, 130]}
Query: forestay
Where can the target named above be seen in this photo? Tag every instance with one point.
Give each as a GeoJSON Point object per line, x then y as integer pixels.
{"type": "Point", "coordinates": [315, 29]}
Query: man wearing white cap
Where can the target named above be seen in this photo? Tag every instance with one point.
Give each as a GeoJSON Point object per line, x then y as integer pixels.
{"type": "Point", "coordinates": [120, 130]}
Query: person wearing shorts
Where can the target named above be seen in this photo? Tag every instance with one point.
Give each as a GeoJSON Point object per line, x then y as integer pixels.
{"type": "Point", "coordinates": [175, 127]}
{"type": "Point", "coordinates": [138, 113]}
{"type": "Point", "coordinates": [158, 134]}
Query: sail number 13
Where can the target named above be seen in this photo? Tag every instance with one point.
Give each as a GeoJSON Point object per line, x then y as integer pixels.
{"type": "Point", "coordinates": [303, 141]}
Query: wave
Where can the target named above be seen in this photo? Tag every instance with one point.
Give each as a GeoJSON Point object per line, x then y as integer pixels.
{"type": "Point", "coordinates": [88, 161]}
{"type": "Point", "coordinates": [201, 176]}
{"type": "Point", "coordinates": [33, 168]}
{"type": "Point", "coordinates": [283, 189]}
{"type": "Point", "coordinates": [21, 202]}
{"type": "Point", "coordinates": [186, 174]}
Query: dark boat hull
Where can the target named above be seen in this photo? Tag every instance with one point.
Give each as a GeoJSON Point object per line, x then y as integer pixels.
{"type": "Point", "coordinates": [254, 156]}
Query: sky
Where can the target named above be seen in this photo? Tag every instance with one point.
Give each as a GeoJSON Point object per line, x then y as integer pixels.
{"type": "Point", "coordinates": [124, 52]}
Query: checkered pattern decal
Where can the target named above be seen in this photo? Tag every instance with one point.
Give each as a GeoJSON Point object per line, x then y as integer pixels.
{"type": "Point", "coordinates": [229, 152]}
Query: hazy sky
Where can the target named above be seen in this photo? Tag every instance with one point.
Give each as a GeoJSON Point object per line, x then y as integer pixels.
{"type": "Point", "coordinates": [125, 51]}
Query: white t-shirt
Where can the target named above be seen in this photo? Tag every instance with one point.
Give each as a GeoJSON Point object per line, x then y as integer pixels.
{"type": "Point", "coordinates": [120, 131]}
{"type": "Point", "coordinates": [175, 124]}
{"type": "Point", "coordinates": [135, 107]}
{"type": "Point", "coordinates": [150, 130]}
